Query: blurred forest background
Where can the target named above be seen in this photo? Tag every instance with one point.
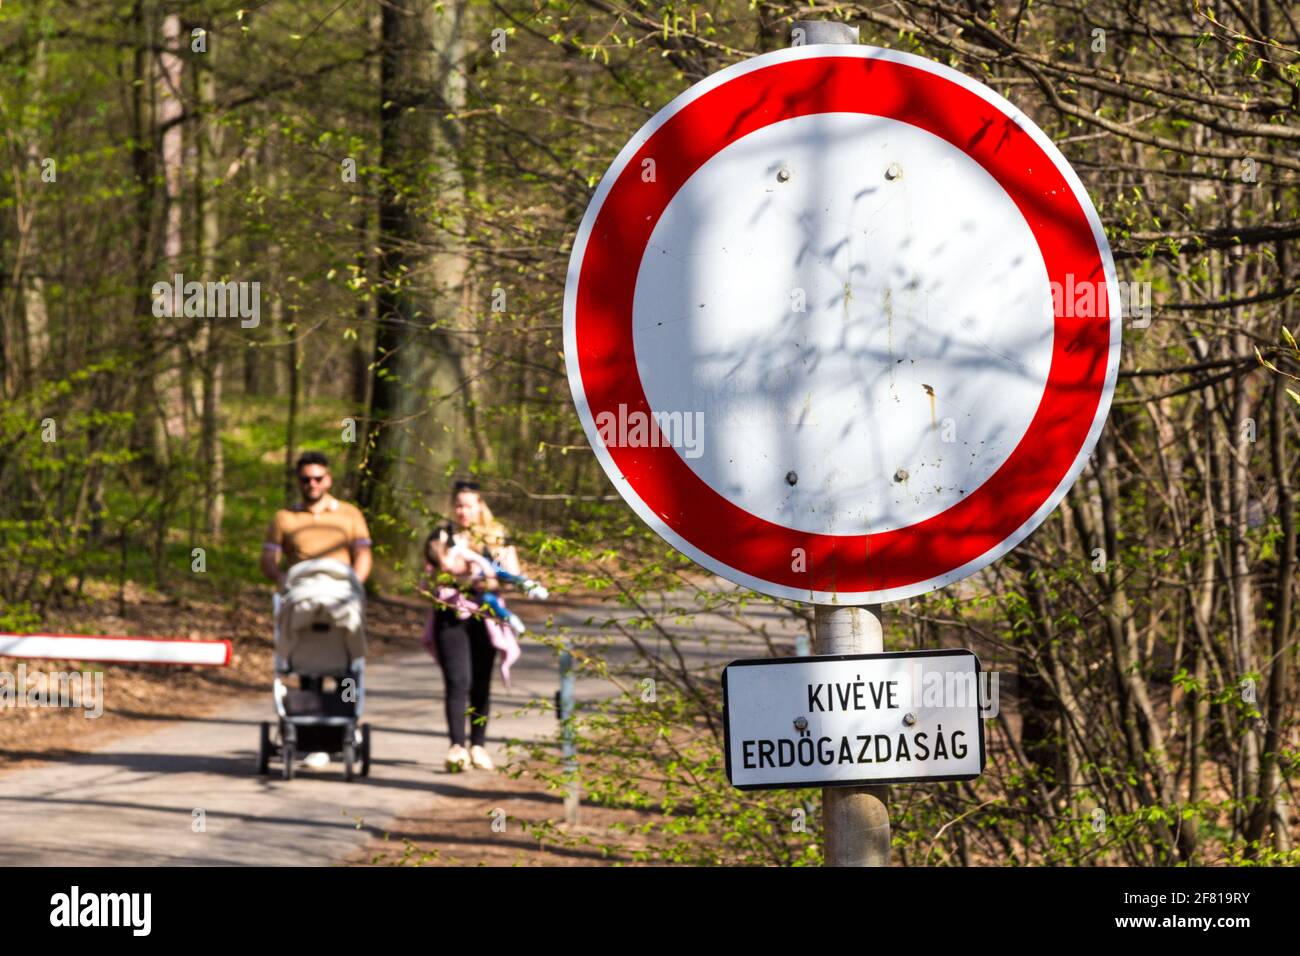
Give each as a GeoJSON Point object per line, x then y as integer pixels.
{"type": "Point", "coordinates": [404, 180]}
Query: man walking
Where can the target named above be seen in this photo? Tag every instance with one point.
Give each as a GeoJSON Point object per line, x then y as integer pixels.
{"type": "Point", "coordinates": [319, 526]}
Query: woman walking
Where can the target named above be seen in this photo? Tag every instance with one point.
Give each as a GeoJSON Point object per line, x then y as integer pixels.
{"type": "Point", "coordinates": [463, 559]}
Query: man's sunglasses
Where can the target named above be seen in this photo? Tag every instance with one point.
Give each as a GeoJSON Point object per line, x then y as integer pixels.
{"type": "Point", "coordinates": [304, 479]}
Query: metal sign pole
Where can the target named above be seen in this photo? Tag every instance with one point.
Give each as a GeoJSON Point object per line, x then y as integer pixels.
{"type": "Point", "coordinates": [855, 819]}
{"type": "Point", "coordinates": [565, 704]}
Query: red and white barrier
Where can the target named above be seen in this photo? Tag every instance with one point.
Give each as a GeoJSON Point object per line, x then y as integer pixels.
{"type": "Point", "coordinates": [116, 650]}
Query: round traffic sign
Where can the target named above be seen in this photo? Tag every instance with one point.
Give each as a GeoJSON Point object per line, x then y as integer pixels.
{"type": "Point", "coordinates": [841, 324]}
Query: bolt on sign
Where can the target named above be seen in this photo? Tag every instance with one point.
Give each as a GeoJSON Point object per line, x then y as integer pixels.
{"type": "Point", "coordinates": [810, 329]}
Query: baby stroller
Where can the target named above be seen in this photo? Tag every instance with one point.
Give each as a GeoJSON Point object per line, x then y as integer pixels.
{"type": "Point", "coordinates": [320, 636]}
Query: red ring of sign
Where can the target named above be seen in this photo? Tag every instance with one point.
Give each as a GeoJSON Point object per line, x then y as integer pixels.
{"type": "Point", "coordinates": [658, 474]}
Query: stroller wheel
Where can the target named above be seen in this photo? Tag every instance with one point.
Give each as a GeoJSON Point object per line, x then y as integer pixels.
{"type": "Point", "coordinates": [288, 751]}
{"type": "Point", "coordinates": [264, 749]}
{"type": "Point", "coordinates": [349, 756]}
{"type": "Point", "coordinates": [365, 750]}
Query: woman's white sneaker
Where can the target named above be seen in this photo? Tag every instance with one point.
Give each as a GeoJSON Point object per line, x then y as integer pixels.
{"type": "Point", "coordinates": [479, 757]}
{"type": "Point", "coordinates": [457, 758]}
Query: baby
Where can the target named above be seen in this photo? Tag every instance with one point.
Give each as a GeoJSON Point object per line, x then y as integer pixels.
{"type": "Point", "coordinates": [493, 601]}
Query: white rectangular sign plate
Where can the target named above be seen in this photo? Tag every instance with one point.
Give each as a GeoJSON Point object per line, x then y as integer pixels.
{"type": "Point", "coordinates": [853, 719]}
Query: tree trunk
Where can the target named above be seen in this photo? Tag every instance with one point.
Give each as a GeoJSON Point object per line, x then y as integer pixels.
{"type": "Point", "coordinates": [35, 314]}
{"type": "Point", "coordinates": [210, 349]}
{"type": "Point", "coordinates": [167, 90]}
{"type": "Point", "coordinates": [416, 422]}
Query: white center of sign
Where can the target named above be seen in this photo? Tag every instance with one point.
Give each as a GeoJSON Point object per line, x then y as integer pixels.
{"type": "Point", "coordinates": [851, 304]}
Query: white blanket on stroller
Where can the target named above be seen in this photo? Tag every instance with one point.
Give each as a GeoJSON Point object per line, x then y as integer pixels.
{"type": "Point", "coordinates": [321, 590]}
